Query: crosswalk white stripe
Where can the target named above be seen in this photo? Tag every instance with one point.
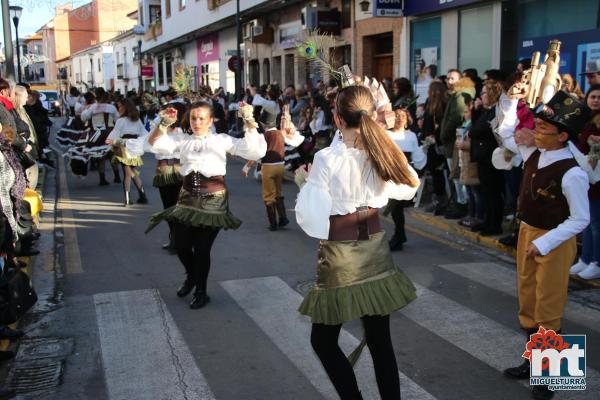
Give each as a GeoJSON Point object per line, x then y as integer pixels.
{"type": "Point", "coordinates": [483, 338]}
{"type": "Point", "coordinates": [504, 280]}
{"type": "Point", "coordinates": [143, 353]}
{"type": "Point", "coordinates": [272, 304]}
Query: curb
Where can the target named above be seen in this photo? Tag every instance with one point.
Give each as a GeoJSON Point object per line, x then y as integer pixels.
{"type": "Point", "coordinates": [491, 242]}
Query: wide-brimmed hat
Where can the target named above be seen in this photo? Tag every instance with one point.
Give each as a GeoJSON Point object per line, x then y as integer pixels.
{"type": "Point", "coordinates": [592, 67]}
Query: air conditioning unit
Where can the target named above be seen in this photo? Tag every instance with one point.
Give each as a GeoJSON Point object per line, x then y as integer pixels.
{"type": "Point", "coordinates": [247, 29]}
{"type": "Point", "coordinates": [257, 30]}
{"type": "Point", "coordinates": [309, 17]}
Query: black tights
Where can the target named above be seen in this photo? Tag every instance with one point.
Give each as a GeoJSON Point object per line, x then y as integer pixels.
{"type": "Point", "coordinates": [169, 195]}
{"type": "Point", "coordinates": [324, 340]}
{"type": "Point", "coordinates": [193, 249]}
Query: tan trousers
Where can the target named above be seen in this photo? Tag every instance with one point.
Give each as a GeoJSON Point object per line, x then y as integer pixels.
{"type": "Point", "coordinates": [542, 281]}
{"type": "Point", "coordinates": [272, 178]}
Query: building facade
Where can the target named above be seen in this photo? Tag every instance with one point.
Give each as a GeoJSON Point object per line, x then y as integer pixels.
{"type": "Point", "coordinates": [93, 67]}
{"type": "Point", "coordinates": [34, 60]}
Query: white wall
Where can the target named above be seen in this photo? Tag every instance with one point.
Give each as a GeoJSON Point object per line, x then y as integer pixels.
{"type": "Point", "coordinates": [227, 41]}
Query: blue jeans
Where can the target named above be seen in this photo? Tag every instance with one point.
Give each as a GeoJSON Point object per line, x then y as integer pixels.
{"type": "Point", "coordinates": [476, 206]}
{"type": "Point", "coordinates": [591, 235]}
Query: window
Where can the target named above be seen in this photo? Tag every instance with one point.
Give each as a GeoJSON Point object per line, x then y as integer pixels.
{"type": "Point", "coordinates": [161, 72]}
{"type": "Point", "coordinates": [99, 65]}
{"type": "Point", "coordinates": [168, 8]}
{"type": "Point", "coordinates": [475, 40]}
{"type": "Point", "coordinates": [169, 68]}
{"type": "Point", "coordinates": [288, 36]}
{"type": "Point", "coordinates": [346, 14]}
{"type": "Point", "coordinates": [41, 72]}
{"type": "Point", "coordinates": [182, 4]}
{"type": "Point", "coordinates": [154, 13]}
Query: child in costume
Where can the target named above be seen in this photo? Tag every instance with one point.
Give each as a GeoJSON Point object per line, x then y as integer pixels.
{"type": "Point", "coordinates": [202, 208]}
{"type": "Point", "coordinates": [356, 276]}
{"type": "Point", "coordinates": [553, 209]}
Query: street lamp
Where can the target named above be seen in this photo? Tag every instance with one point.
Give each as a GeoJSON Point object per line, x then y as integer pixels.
{"type": "Point", "coordinates": [15, 13]}
{"type": "Point", "coordinates": [139, 30]}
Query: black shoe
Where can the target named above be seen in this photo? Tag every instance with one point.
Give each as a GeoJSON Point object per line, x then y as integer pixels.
{"type": "Point", "coordinates": [28, 252]}
{"type": "Point", "coordinates": [440, 209]}
{"type": "Point", "coordinates": [396, 246]}
{"type": "Point", "coordinates": [490, 231]}
{"type": "Point", "coordinates": [117, 179]}
{"type": "Point", "coordinates": [185, 288]}
{"type": "Point", "coordinates": [541, 392]}
{"type": "Point", "coordinates": [510, 240]}
{"type": "Point", "coordinates": [200, 299]}
{"type": "Point", "coordinates": [456, 211]}
{"type": "Point", "coordinates": [103, 181]}
{"type": "Point", "coordinates": [478, 227]}
{"type": "Point", "coordinates": [10, 334]}
{"type": "Point", "coordinates": [520, 372]}
{"type": "Point", "coordinates": [6, 355]}
{"type": "Point", "coordinates": [142, 199]}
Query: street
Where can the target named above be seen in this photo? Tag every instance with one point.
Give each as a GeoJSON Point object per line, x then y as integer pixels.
{"type": "Point", "coordinates": [130, 337]}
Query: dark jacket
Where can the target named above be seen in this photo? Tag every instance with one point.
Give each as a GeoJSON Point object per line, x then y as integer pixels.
{"type": "Point", "coordinates": [483, 141]}
{"type": "Point", "coordinates": [453, 115]}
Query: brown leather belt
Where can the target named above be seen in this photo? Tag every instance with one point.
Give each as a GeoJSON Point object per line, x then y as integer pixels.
{"type": "Point", "coordinates": [198, 184]}
{"type": "Point", "coordinates": [168, 161]}
{"type": "Point", "coordinates": [356, 226]}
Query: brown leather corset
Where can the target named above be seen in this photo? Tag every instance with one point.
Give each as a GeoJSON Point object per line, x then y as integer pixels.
{"type": "Point", "coordinates": [168, 161]}
{"type": "Point", "coordinates": [197, 184]}
{"type": "Point", "coordinates": [356, 226]}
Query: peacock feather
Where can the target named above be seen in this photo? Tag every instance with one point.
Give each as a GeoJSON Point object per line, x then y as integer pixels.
{"type": "Point", "coordinates": [183, 80]}
{"type": "Point", "coordinates": [316, 49]}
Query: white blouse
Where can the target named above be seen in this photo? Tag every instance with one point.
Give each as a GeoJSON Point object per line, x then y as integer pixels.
{"type": "Point", "coordinates": [125, 126]}
{"type": "Point", "coordinates": [208, 154]}
{"type": "Point", "coordinates": [407, 142]}
{"type": "Point", "coordinates": [340, 180]}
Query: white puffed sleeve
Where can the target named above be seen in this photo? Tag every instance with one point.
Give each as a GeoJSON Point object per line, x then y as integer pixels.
{"type": "Point", "coordinates": [296, 140]}
{"type": "Point", "coordinates": [165, 144]}
{"type": "Point", "coordinates": [252, 147]}
{"type": "Point", "coordinates": [402, 191]}
{"type": "Point", "coordinates": [314, 203]}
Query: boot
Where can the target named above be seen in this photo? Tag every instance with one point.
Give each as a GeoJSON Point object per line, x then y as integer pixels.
{"type": "Point", "coordinates": [283, 221]}
{"type": "Point", "coordinates": [142, 199]}
{"type": "Point", "coordinates": [520, 372]}
{"type": "Point", "coordinates": [396, 244]}
{"type": "Point", "coordinates": [272, 216]}
{"type": "Point", "coordinates": [200, 299]}
{"type": "Point", "coordinates": [103, 181]}
{"type": "Point", "coordinates": [117, 175]}
{"type": "Point", "coordinates": [185, 288]}
{"type": "Point", "coordinates": [127, 201]}
{"type": "Point", "coordinates": [170, 245]}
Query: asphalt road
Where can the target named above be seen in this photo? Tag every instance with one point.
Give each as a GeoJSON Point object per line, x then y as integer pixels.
{"type": "Point", "coordinates": [133, 338]}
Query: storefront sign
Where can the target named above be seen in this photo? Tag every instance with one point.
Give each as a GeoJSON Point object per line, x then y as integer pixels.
{"type": "Point", "coordinates": [329, 22]}
{"type": "Point", "coordinates": [208, 48]}
{"type": "Point", "coordinates": [577, 50]}
{"type": "Point", "coordinates": [147, 70]}
{"type": "Point", "coordinates": [416, 7]}
{"type": "Point", "coordinates": [388, 8]}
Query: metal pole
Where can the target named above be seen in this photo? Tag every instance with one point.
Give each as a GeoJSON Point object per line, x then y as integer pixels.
{"type": "Point", "coordinates": [8, 49]}
{"type": "Point", "coordinates": [140, 82]}
{"type": "Point", "coordinates": [238, 68]}
{"type": "Point", "coordinates": [16, 21]}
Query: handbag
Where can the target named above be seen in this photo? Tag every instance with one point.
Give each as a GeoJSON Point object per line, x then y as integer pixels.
{"type": "Point", "coordinates": [17, 296]}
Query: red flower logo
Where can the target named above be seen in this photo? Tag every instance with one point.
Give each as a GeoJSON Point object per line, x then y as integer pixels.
{"type": "Point", "coordinates": [542, 340]}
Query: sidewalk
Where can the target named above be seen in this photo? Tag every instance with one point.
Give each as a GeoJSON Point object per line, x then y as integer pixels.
{"type": "Point", "coordinates": [453, 228]}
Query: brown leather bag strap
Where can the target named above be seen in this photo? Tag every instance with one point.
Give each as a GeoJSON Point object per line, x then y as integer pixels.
{"type": "Point", "coordinates": [362, 214]}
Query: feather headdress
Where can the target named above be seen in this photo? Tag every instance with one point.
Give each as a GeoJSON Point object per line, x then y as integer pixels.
{"type": "Point", "coordinates": [316, 50]}
{"type": "Point", "coordinates": [183, 80]}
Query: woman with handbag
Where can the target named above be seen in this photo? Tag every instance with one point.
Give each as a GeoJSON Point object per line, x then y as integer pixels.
{"type": "Point", "coordinates": [202, 208]}
{"type": "Point", "coordinates": [128, 127]}
{"type": "Point", "coordinates": [356, 276]}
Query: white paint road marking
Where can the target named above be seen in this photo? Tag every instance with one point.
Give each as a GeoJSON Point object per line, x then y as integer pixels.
{"type": "Point", "coordinates": [504, 280]}
{"type": "Point", "coordinates": [483, 338]}
{"type": "Point", "coordinates": [143, 352]}
{"type": "Point", "coordinates": [272, 304]}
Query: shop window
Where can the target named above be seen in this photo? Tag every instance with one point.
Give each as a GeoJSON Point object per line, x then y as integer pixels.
{"type": "Point", "coordinates": [267, 71]}
{"type": "Point", "coordinates": [552, 17]}
{"type": "Point", "coordinates": [254, 72]}
{"type": "Point", "coordinates": [475, 41]}
{"type": "Point", "coordinates": [169, 68]}
{"type": "Point", "coordinates": [209, 75]}
{"type": "Point", "coordinates": [289, 69]}
{"type": "Point", "coordinates": [161, 72]}
{"type": "Point", "coordinates": [425, 42]}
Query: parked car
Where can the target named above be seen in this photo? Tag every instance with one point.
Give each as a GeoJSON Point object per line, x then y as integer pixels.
{"type": "Point", "coordinates": [51, 101]}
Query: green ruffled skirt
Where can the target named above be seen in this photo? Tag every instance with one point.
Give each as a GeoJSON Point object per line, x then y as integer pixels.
{"type": "Point", "coordinates": [354, 279]}
{"type": "Point", "coordinates": [211, 209]}
{"type": "Point", "coordinates": [167, 175]}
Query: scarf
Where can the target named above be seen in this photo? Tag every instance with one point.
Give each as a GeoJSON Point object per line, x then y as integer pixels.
{"type": "Point", "coordinates": [7, 103]}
